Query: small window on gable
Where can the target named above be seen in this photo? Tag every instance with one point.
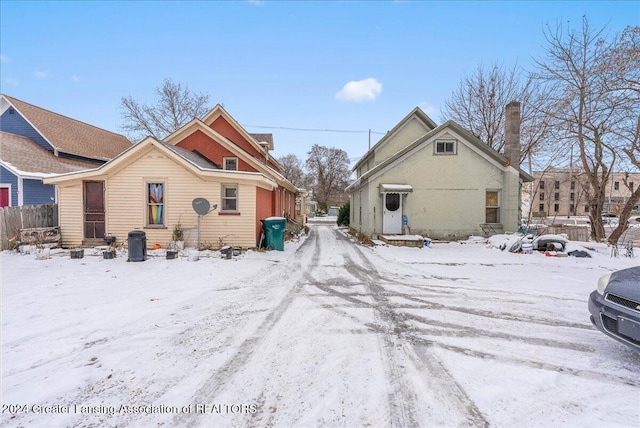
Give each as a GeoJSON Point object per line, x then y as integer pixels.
{"type": "Point", "coordinates": [446, 147]}
{"type": "Point", "coordinates": [231, 164]}
{"type": "Point", "coordinates": [155, 204]}
{"type": "Point", "coordinates": [229, 197]}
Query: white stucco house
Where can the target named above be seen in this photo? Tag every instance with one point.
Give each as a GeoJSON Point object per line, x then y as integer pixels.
{"type": "Point", "coordinates": [440, 181]}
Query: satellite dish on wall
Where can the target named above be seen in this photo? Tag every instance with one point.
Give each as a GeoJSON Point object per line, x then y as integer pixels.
{"type": "Point", "coordinates": [201, 206]}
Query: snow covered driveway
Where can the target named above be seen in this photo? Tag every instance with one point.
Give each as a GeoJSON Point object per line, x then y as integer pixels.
{"type": "Point", "coordinates": [327, 333]}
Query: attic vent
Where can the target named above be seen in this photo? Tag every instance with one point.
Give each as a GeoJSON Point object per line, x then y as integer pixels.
{"type": "Point", "coordinates": [11, 110]}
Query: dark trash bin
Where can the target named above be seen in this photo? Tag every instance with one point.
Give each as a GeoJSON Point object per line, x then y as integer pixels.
{"type": "Point", "coordinates": [274, 228]}
{"type": "Point", "coordinates": [137, 241]}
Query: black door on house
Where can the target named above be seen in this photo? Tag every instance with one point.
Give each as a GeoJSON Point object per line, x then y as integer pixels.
{"type": "Point", "coordinates": [94, 210]}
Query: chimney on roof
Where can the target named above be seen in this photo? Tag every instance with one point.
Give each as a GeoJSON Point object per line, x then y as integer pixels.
{"type": "Point", "coordinates": [512, 134]}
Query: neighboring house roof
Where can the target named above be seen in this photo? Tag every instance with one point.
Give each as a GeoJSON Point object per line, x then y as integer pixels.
{"type": "Point", "coordinates": [24, 157]}
{"type": "Point", "coordinates": [417, 113]}
{"type": "Point", "coordinates": [468, 136]}
{"type": "Point", "coordinates": [189, 160]}
{"type": "Point", "coordinates": [71, 136]}
{"type": "Point", "coordinates": [268, 138]}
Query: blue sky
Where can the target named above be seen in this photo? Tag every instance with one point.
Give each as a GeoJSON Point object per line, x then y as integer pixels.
{"type": "Point", "coordinates": [276, 64]}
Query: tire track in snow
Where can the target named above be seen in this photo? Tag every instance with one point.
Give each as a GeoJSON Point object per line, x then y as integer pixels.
{"type": "Point", "coordinates": [433, 373]}
{"type": "Point", "coordinates": [224, 375]}
{"type": "Point", "coordinates": [396, 348]}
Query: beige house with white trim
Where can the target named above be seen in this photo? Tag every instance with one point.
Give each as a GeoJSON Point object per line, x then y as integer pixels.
{"type": "Point", "coordinates": [151, 187]}
{"type": "Point", "coordinates": [441, 181]}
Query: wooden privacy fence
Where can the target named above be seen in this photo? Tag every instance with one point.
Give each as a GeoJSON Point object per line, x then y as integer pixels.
{"type": "Point", "coordinates": [574, 233]}
{"type": "Point", "coordinates": [12, 219]}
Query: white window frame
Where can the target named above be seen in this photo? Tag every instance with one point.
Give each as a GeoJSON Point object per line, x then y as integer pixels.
{"type": "Point", "coordinates": [498, 214]}
{"type": "Point", "coordinates": [147, 204]}
{"type": "Point", "coordinates": [224, 163]}
{"type": "Point", "coordinates": [445, 144]}
{"type": "Point", "coordinates": [8, 186]}
{"type": "Point", "coordinates": [223, 198]}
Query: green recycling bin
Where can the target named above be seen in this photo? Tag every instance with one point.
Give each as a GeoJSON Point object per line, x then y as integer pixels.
{"type": "Point", "coordinates": [274, 232]}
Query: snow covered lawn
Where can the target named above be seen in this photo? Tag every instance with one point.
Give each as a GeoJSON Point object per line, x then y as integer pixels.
{"type": "Point", "coordinates": [327, 333]}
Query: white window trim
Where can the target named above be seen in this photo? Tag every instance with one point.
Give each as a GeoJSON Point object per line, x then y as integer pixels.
{"type": "Point", "coordinates": [164, 203]}
{"type": "Point", "coordinates": [222, 197]}
{"type": "Point", "coordinates": [224, 162]}
{"type": "Point", "coordinates": [8, 186]}
{"type": "Point", "coordinates": [499, 206]}
{"type": "Point", "coordinates": [445, 142]}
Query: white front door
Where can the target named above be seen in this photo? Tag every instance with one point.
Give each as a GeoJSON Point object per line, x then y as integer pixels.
{"type": "Point", "coordinates": [392, 213]}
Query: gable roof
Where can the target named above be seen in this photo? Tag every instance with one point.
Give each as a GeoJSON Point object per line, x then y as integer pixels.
{"type": "Point", "coordinates": [219, 111]}
{"type": "Point", "coordinates": [468, 136]}
{"type": "Point", "coordinates": [199, 125]}
{"type": "Point", "coordinates": [191, 161]}
{"type": "Point", "coordinates": [24, 157]}
{"type": "Point", "coordinates": [416, 113]}
{"type": "Point", "coordinates": [71, 136]}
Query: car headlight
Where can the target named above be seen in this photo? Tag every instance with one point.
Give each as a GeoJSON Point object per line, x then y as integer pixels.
{"type": "Point", "coordinates": [603, 282]}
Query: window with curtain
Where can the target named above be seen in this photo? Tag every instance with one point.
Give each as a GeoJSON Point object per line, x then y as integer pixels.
{"type": "Point", "coordinates": [155, 204]}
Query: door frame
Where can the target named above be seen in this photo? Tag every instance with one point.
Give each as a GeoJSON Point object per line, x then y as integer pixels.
{"type": "Point", "coordinates": [388, 226]}
{"type": "Point", "coordinates": [98, 216]}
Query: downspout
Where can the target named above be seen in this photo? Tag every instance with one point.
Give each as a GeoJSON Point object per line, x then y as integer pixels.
{"type": "Point", "coordinates": [20, 191]}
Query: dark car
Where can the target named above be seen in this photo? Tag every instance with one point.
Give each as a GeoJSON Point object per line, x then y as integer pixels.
{"type": "Point", "coordinates": [615, 306]}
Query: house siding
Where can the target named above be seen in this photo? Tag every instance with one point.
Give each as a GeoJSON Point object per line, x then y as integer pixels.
{"type": "Point", "coordinates": [36, 193]}
{"type": "Point", "coordinates": [8, 178]}
{"type": "Point", "coordinates": [264, 209]}
{"type": "Point", "coordinates": [407, 134]}
{"type": "Point", "coordinates": [70, 214]}
{"type": "Point", "coordinates": [16, 124]}
{"type": "Point", "coordinates": [212, 150]}
{"type": "Point", "coordinates": [221, 126]}
{"type": "Point", "coordinates": [448, 198]}
{"type": "Point", "coordinates": [126, 210]}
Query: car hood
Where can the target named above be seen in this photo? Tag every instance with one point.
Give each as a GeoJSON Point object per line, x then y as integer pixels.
{"type": "Point", "coordinates": [626, 283]}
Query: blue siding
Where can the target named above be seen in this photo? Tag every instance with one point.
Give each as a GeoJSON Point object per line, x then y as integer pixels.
{"type": "Point", "coordinates": [16, 124]}
{"type": "Point", "coordinates": [36, 193]}
{"type": "Point", "coordinates": [7, 177]}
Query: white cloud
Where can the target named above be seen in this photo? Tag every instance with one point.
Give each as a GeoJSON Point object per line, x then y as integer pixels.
{"type": "Point", "coordinates": [360, 90]}
{"type": "Point", "coordinates": [256, 2]}
{"type": "Point", "coordinates": [5, 59]}
{"type": "Point", "coordinates": [75, 78]}
{"type": "Point", "coordinates": [41, 74]}
{"type": "Point", "coordinates": [12, 82]}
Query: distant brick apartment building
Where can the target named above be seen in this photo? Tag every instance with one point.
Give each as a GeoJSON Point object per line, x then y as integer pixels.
{"type": "Point", "coordinates": [561, 192]}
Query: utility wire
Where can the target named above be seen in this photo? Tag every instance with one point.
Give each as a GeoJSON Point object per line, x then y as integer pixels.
{"type": "Point", "coordinates": [314, 129]}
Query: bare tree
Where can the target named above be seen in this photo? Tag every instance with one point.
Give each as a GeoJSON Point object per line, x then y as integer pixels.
{"type": "Point", "coordinates": [292, 169]}
{"type": "Point", "coordinates": [586, 109]}
{"type": "Point", "coordinates": [621, 66]}
{"type": "Point", "coordinates": [479, 104]}
{"type": "Point", "coordinates": [329, 169]}
{"type": "Point", "coordinates": [176, 105]}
